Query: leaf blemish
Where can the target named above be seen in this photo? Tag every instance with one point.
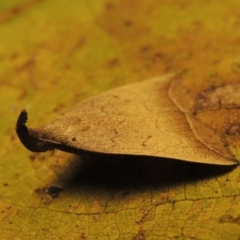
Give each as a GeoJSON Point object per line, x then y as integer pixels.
{"type": "Point", "coordinates": [54, 191]}
{"type": "Point", "coordinates": [233, 129]}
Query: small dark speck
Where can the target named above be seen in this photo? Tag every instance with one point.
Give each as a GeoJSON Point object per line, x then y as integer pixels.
{"type": "Point", "coordinates": [83, 236]}
{"type": "Point", "coordinates": [109, 6]}
{"type": "Point", "coordinates": [39, 190]}
{"type": "Point", "coordinates": [128, 23]}
{"type": "Point", "coordinates": [113, 62]}
{"type": "Point", "coordinates": [73, 139]}
{"type": "Point", "coordinates": [15, 10]}
{"type": "Point", "coordinates": [14, 56]}
{"type": "Point", "coordinates": [5, 185]}
{"type": "Point", "coordinates": [145, 49]}
{"type": "Point", "coordinates": [33, 156]}
{"type": "Point", "coordinates": [54, 191]}
{"type": "Point", "coordinates": [157, 56]}
{"type": "Point", "coordinates": [67, 66]}
{"type": "Point", "coordinates": [58, 107]}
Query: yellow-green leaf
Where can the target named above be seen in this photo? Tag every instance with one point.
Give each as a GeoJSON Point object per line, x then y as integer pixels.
{"type": "Point", "coordinates": [53, 55]}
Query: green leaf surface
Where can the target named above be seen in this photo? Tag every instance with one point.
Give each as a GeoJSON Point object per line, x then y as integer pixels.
{"type": "Point", "coordinates": [55, 54]}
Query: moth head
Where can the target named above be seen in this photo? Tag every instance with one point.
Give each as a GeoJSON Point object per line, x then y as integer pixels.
{"type": "Point", "coordinates": [29, 137]}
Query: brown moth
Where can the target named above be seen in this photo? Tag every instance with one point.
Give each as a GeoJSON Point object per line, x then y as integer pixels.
{"type": "Point", "coordinates": [146, 118]}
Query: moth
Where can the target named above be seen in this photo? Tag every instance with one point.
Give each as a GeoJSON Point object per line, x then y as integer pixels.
{"type": "Point", "coordinates": [147, 118]}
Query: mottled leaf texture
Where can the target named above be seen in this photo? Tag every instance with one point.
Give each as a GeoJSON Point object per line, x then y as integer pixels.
{"type": "Point", "coordinates": [55, 54]}
{"type": "Point", "coordinates": [157, 117]}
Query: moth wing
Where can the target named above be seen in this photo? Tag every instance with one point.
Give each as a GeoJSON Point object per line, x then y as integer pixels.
{"type": "Point", "coordinates": [137, 119]}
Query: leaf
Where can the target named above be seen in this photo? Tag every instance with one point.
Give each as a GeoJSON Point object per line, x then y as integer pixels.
{"type": "Point", "coordinates": [137, 119]}
{"type": "Point", "coordinates": [55, 54]}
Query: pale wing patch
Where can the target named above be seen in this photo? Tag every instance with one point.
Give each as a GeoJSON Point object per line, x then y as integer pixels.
{"type": "Point", "coordinates": [213, 115]}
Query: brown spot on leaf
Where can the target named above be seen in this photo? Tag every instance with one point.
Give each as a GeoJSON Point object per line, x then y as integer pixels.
{"type": "Point", "coordinates": [40, 190]}
{"type": "Point", "coordinates": [96, 217]}
{"type": "Point", "coordinates": [109, 6]}
{"type": "Point", "coordinates": [58, 107]}
{"type": "Point", "coordinates": [230, 219]}
{"type": "Point", "coordinates": [234, 129]}
{"type": "Point", "coordinates": [67, 66]}
{"type": "Point", "coordinates": [113, 62]}
{"type": "Point", "coordinates": [83, 236]}
{"type": "Point", "coordinates": [145, 48]}
{"type": "Point", "coordinates": [157, 56]}
{"type": "Point", "coordinates": [6, 15]}
{"type": "Point", "coordinates": [128, 23]}
{"type": "Point", "coordinates": [145, 143]}
{"type": "Point", "coordinates": [27, 65]}
{"type": "Point", "coordinates": [33, 156]}
{"type": "Point", "coordinates": [14, 56]}
{"type": "Point", "coordinates": [23, 94]}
